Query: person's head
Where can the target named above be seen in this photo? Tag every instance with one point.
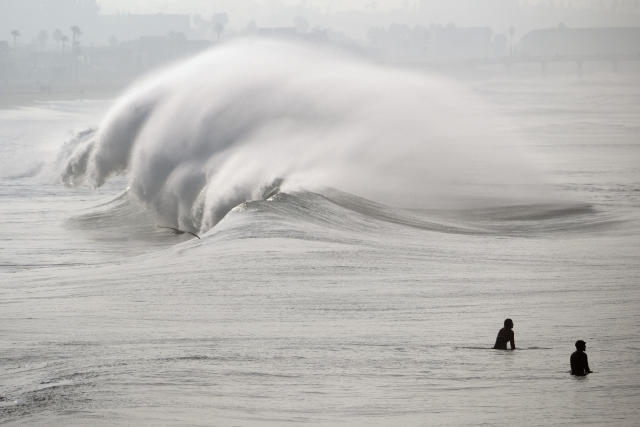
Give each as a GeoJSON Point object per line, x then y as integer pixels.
{"type": "Point", "coordinates": [581, 345]}
{"type": "Point", "coordinates": [508, 323]}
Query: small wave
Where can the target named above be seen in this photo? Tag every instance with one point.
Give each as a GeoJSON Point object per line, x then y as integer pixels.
{"type": "Point", "coordinates": [491, 348]}
{"type": "Point", "coordinates": [539, 219]}
{"type": "Point", "coordinates": [536, 212]}
{"type": "Point", "coordinates": [260, 374]}
{"type": "Point", "coordinates": [327, 215]}
{"type": "Point", "coordinates": [333, 209]}
{"type": "Point", "coordinates": [56, 393]}
{"type": "Point", "coordinates": [195, 358]}
{"type": "Point", "coordinates": [121, 219]}
{"type": "Point", "coordinates": [68, 379]}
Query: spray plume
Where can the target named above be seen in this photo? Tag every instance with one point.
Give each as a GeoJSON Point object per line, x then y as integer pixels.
{"type": "Point", "coordinates": [202, 136]}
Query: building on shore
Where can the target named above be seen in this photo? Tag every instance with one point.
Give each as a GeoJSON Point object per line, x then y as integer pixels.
{"type": "Point", "coordinates": [136, 26]}
{"type": "Point", "coordinates": [451, 42]}
{"type": "Point", "coordinates": [563, 41]}
{"type": "Point", "coordinates": [402, 43]}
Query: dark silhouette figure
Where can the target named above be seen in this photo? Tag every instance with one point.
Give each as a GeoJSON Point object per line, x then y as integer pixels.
{"type": "Point", "coordinates": [579, 362]}
{"type": "Point", "coordinates": [505, 335]}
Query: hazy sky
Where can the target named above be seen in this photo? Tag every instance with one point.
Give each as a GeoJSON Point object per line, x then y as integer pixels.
{"type": "Point", "coordinates": [188, 5]}
{"type": "Point", "coordinates": [354, 17]}
{"type": "Point", "coordinates": [167, 6]}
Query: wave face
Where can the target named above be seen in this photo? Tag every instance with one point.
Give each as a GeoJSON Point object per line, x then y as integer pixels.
{"type": "Point", "coordinates": [227, 126]}
{"type": "Point", "coordinates": [340, 217]}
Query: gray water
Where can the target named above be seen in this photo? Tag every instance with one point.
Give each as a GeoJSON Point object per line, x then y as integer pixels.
{"type": "Point", "coordinates": [328, 309]}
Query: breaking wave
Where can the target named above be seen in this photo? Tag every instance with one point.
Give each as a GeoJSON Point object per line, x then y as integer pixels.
{"type": "Point", "coordinates": [250, 118]}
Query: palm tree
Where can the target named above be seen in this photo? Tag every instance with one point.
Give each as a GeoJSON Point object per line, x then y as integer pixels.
{"type": "Point", "coordinates": [15, 34]}
{"type": "Point", "coordinates": [76, 32]}
{"type": "Point", "coordinates": [58, 35]}
{"type": "Point", "coordinates": [512, 32]}
{"type": "Point", "coordinates": [43, 38]}
{"type": "Point", "coordinates": [219, 20]}
{"type": "Point", "coordinates": [64, 41]}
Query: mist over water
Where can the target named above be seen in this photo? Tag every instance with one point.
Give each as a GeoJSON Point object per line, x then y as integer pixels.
{"type": "Point", "coordinates": [227, 126]}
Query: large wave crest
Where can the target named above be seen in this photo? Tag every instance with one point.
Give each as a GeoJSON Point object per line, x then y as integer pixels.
{"type": "Point", "coordinates": [222, 128]}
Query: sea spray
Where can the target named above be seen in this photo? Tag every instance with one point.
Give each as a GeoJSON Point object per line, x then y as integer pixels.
{"type": "Point", "coordinates": [199, 138]}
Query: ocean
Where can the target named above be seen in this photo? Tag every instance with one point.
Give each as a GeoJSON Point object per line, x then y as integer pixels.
{"type": "Point", "coordinates": [271, 234]}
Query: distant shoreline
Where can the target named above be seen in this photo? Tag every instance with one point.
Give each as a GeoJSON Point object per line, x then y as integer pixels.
{"type": "Point", "coordinates": [15, 98]}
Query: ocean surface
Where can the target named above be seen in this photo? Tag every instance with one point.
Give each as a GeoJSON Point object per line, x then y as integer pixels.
{"type": "Point", "coordinates": [309, 297]}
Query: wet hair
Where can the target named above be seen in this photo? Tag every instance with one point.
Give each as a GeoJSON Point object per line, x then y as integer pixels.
{"type": "Point", "coordinates": [580, 344]}
{"type": "Point", "coordinates": [508, 323]}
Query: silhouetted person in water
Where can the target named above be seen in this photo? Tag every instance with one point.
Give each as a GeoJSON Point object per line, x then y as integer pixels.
{"type": "Point", "coordinates": [505, 335]}
{"type": "Point", "coordinates": [579, 362]}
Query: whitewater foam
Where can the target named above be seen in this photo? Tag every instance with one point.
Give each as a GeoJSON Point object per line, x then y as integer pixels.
{"type": "Point", "coordinates": [205, 135]}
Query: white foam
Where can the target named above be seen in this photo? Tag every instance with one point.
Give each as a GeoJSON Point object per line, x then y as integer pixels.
{"type": "Point", "coordinates": [205, 135]}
